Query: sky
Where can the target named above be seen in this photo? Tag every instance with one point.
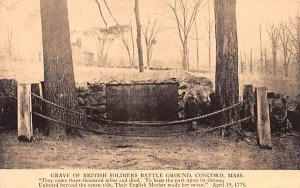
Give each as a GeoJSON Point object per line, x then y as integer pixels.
{"type": "Point", "coordinates": [23, 22]}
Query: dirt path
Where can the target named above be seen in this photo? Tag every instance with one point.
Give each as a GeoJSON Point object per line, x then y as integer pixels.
{"type": "Point", "coordinates": [106, 152]}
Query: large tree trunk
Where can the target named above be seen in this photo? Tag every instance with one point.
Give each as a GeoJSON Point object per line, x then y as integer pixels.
{"type": "Point", "coordinates": [58, 65]}
{"type": "Point", "coordinates": [139, 36]}
{"type": "Point", "coordinates": [227, 85]}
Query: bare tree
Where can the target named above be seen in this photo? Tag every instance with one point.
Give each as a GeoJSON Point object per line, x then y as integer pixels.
{"type": "Point", "coordinates": [139, 36]}
{"type": "Point", "coordinates": [251, 61]}
{"type": "Point", "coordinates": [105, 38]}
{"type": "Point", "coordinates": [286, 46]}
{"type": "Point", "coordinates": [103, 42]}
{"type": "Point", "coordinates": [227, 84]}
{"type": "Point", "coordinates": [243, 62]}
{"type": "Point", "coordinates": [129, 45]}
{"type": "Point", "coordinates": [185, 16]}
{"type": "Point", "coordinates": [151, 33]}
{"type": "Point", "coordinates": [197, 45]}
{"type": "Point", "coordinates": [295, 34]}
{"type": "Point", "coordinates": [209, 28]}
{"type": "Point", "coordinates": [101, 12]}
{"type": "Point", "coordinates": [9, 43]}
{"type": "Point", "coordinates": [274, 38]}
{"type": "Point", "coordinates": [266, 62]}
{"type": "Point", "coordinates": [260, 25]}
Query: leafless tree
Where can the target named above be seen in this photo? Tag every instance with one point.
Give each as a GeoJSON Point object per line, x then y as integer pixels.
{"type": "Point", "coordinates": [286, 46]}
{"type": "Point", "coordinates": [251, 61]}
{"type": "Point", "coordinates": [151, 33]}
{"type": "Point", "coordinates": [9, 43]}
{"type": "Point", "coordinates": [185, 13]}
{"type": "Point", "coordinates": [209, 28]}
{"type": "Point", "coordinates": [197, 45]}
{"type": "Point", "coordinates": [101, 12]}
{"type": "Point", "coordinates": [104, 42]}
{"type": "Point", "coordinates": [273, 32]}
{"type": "Point", "coordinates": [295, 34]}
{"type": "Point", "coordinates": [105, 38]}
{"type": "Point", "coordinates": [260, 26]}
{"type": "Point", "coordinates": [129, 45]}
{"type": "Point", "coordinates": [139, 35]}
{"type": "Point", "coordinates": [243, 62]}
{"type": "Point", "coordinates": [266, 62]}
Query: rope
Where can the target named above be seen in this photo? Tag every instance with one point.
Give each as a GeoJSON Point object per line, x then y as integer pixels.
{"type": "Point", "coordinates": [146, 136]}
{"type": "Point", "coordinates": [154, 123]}
{"type": "Point", "coordinates": [60, 122]}
{"type": "Point", "coordinates": [226, 125]}
{"type": "Point", "coordinates": [61, 107]}
{"type": "Point", "coordinates": [174, 122]}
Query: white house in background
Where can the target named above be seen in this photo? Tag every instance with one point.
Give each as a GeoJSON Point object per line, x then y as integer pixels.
{"type": "Point", "coordinates": [81, 54]}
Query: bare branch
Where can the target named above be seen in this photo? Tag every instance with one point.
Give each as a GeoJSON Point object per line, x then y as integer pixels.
{"type": "Point", "coordinates": [100, 11]}
{"type": "Point", "coordinates": [110, 12]}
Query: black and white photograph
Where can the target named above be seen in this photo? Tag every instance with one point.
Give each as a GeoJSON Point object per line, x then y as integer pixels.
{"type": "Point", "coordinates": [172, 85]}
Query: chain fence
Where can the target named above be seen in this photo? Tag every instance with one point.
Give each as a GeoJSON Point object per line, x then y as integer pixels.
{"type": "Point", "coordinates": [82, 119]}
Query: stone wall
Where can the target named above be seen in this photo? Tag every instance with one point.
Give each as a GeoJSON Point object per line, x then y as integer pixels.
{"type": "Point", "coordinates": [8, 105]}
{"type": "Point", "coordinates": [192, 90]}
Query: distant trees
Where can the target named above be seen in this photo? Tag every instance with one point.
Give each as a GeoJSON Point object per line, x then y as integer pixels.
{"type": "Point", "coordinates": [151, 33]}
{"type": "Point", "coordinates": [295, 35]}
{"type": "Point", "coordinates": [260, 26]}
{"type": "Point", "coordinates": [185, 13]}
{"type": "Point", "coordinates": [9, 43]}
{"type": "Point", "coordinates": [251, 61]}
{"type": "Point", "coordinates": [243, 62]}
{"type": "Point", "coordinates": [273, 32]}
{"type": "Point", "coordinates": [108, 34]}
{"type": "Point", "coordinates": [286, 47]}
{"type": "Point", "coordinates": [105, 37]}
{"type": "Point", "coordinates": [209, 28]}
{"type": "Point", "coordinates": [129, 45]}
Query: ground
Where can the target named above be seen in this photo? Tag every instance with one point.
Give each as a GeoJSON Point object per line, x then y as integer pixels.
{"type": "Point", "coordinates": [208, 151]}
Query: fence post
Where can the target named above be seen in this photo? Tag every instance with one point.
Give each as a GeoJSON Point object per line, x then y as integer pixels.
{"type": "Point", "coordinates": [263, 118]}
{"type": "Point", "coordinates": [248, 107]}
{"type": "Point", "coordinates": [25, 131]}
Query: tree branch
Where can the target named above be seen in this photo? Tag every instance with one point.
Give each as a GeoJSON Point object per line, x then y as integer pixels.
{"type": "Point", "coordinates": [100, 11]}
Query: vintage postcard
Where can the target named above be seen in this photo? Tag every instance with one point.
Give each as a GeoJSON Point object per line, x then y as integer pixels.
{"type": "Point", "coordinates": [149, 93]}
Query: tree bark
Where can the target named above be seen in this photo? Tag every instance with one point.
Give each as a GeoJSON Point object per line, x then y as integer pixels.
{"type": "Point", "coordinates": [185, 56]}
{"type": "Point", "coordinates": [139, 36]}
{"type": "Point", "coordinates": [59, 82]}
{"type": "Point", "coordinates": [227, 85]}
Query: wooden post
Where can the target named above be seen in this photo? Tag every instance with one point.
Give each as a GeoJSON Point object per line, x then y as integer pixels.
{"type": "Point", "coordinates": [25, 132]}
{"type": "Point", "coordinates": [248, 107]}
{"type": "Point", "coordinates": [41, 90]}
{"type": "Point", "coordinates": [263, 118]}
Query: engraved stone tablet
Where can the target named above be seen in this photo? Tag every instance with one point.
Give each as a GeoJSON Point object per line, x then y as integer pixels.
{"type": "Point", "coordinates": [142, 102]}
